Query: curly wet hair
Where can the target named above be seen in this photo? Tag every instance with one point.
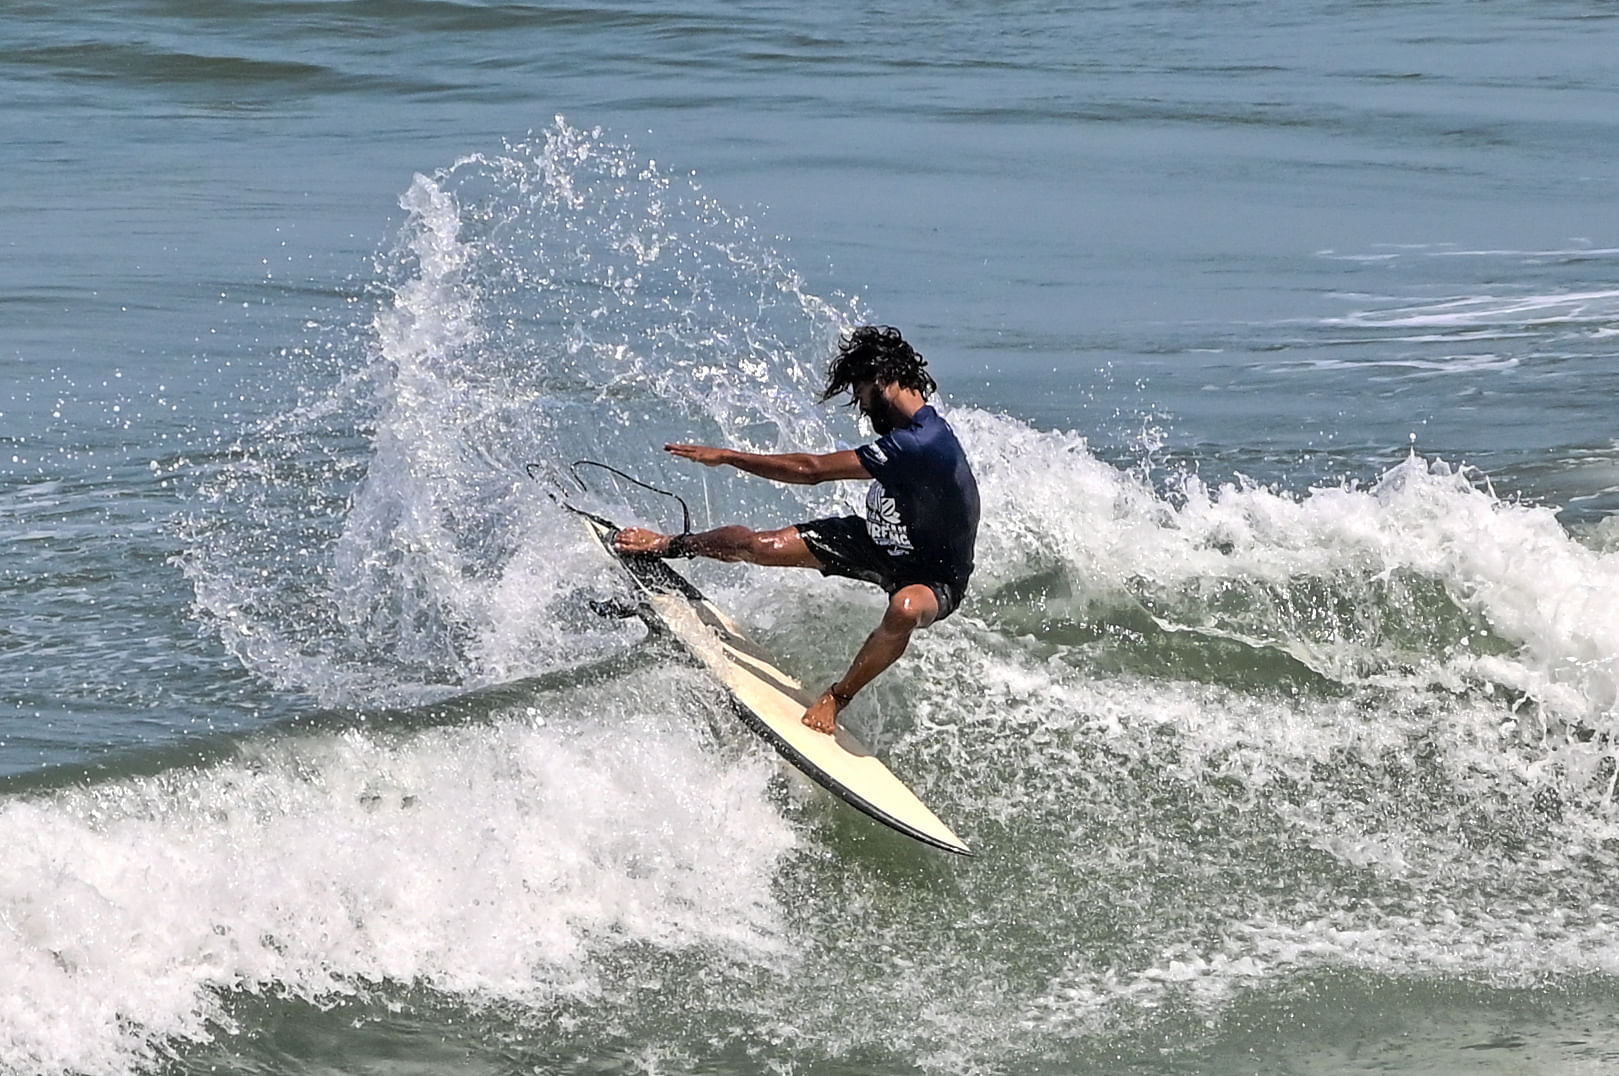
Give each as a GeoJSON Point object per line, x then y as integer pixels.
{"type": "Point", "coordinates": [877, 353]}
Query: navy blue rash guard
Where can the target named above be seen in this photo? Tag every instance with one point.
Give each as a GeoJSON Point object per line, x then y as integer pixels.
{"type": "Point", "coordinates": [923, 507]}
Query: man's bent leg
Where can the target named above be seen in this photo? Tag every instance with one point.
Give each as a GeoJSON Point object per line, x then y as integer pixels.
{"type": "Point", "coordinates": [909, 608]}
{"type": "Point", "coordinates": [782, 548]}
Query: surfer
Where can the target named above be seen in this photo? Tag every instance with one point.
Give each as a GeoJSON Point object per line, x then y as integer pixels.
{"type": "Point", "coordinates": [916, 540]}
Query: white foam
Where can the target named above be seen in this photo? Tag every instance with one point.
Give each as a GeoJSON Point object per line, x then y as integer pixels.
{"type": "Point", "coordinates": [1084, 788]}
{"type": "Point", "coordinates": [1554, 252]}
{"type": "Point", "coordinates": [486, 862]}
{"type": "Point", "coordinates": [1389, 251]}
{"type": "Point", "coordinates": [1450, 365]}
{"type": "Point", "coordinates": [1582, 308]}
{"type": "Point", "coordinates": [1171, 845]}
{"type": "Point", "coordinates": [1202, 803]}
{"type": "Point", "coordinates": [1049, 503]}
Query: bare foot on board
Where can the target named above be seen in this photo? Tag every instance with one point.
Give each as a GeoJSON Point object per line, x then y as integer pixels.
{"type": "Point", "coordinates": [823, 716]}
{"type": "Point", "coordinates": [638, 541]}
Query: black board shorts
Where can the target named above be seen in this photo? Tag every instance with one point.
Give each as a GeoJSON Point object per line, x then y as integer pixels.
{"type": "Point", "coordinates": [844, 547]}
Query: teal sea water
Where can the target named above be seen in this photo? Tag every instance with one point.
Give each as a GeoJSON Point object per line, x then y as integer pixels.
{"type": "Point", "coordinates": [1282, 336]}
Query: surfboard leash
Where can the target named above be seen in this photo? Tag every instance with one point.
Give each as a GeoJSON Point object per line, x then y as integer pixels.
{"type": "Point", "coordinates": [679, 545]}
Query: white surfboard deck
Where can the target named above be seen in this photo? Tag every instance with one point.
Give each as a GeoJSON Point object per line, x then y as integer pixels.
{"type": "Point", "coordinates": [772, 703]}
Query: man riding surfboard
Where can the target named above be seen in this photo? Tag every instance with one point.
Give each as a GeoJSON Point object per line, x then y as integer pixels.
{"type": "Point", "coordinates": [921, 523]}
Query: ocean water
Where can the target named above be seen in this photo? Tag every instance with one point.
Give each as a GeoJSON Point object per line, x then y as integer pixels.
{"type": "Point", "coordinates": [1281, 713]}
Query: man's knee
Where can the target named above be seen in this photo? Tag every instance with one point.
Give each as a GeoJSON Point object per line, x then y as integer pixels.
{"type": "Point", "coordinates": [731, 543]}
{"type": "Point", "coordinates": [739, 543]}
{"type": "Point", "coordinates": [783, 548]}
{"type": "Point", "coordinates": [765, 545]}
{"type": "Point", "coordinates": [911, 607]}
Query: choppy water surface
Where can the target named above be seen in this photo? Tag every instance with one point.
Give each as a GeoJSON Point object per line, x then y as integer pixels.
{"type": "Point", "coordinates": [1282, 711]}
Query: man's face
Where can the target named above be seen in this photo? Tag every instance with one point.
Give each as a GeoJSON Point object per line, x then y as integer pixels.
{"type": "Point", "coordinates": [868, 396]}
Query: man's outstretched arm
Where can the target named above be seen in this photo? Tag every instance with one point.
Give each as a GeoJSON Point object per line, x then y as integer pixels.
{"type": "Point", "coordinates": [797, 468]}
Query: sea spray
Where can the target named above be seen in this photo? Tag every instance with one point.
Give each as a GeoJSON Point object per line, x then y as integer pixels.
{"type": "Point", "coordinates": [562, 299]}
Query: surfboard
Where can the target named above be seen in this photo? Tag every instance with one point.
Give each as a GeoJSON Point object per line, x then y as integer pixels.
{"type": "Point", "coordinates": [770, 702]}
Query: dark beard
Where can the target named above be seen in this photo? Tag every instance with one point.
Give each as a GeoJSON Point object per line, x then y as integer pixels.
{"type": "Point", "coordinates": [884, 420]}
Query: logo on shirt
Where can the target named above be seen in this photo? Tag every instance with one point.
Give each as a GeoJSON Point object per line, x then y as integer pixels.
{"type": "Point", "coordinates": [883, 522]}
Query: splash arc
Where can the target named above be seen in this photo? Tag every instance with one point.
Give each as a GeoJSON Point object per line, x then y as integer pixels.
{"type": "Point", "coordinates": [771, 702]}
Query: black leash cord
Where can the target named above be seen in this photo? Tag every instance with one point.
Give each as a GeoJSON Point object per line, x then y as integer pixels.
{"type": "Point", "coordinates": [573, 469]}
